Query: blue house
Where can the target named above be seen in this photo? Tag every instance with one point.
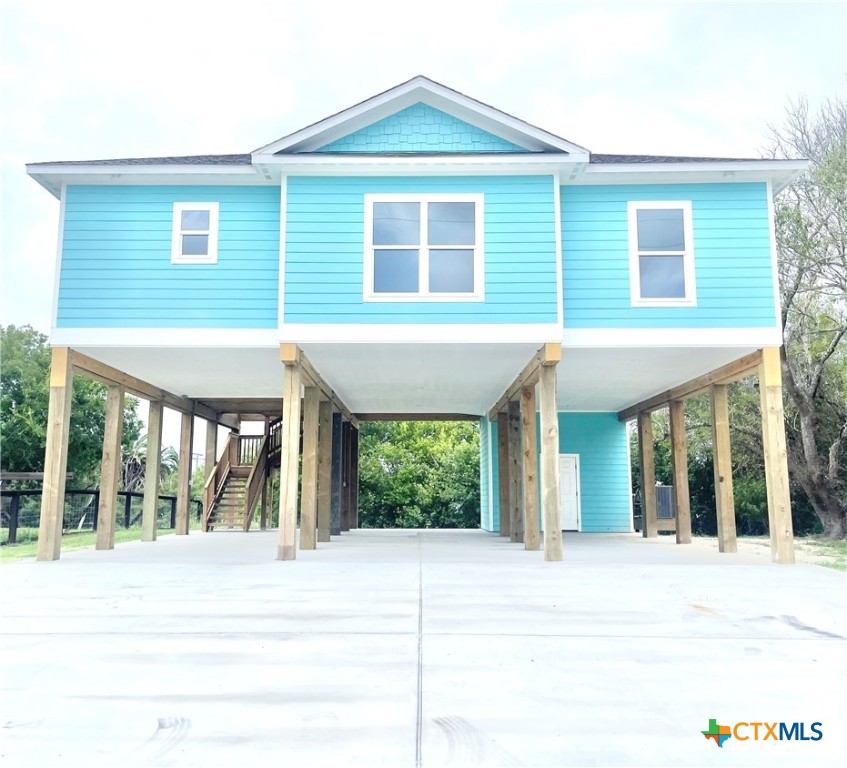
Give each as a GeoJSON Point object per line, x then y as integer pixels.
{"type": "Point", "coordinates": [420, 255]}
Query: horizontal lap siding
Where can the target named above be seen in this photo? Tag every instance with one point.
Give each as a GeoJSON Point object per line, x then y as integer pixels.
{"type": "Point", "coordinates": [732, 257]}
{"type": "Point", "coordinates": [116, 259]}
{"type": "Point", "coordinates": [600, 440]}
{"type": "Point", "coordinates": [484, 488]}
{"type": "Point", "coordinates": [324, 252]}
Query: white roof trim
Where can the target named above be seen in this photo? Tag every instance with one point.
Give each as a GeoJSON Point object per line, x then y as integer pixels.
{"type": "Point", "coordinates": [421, 89]}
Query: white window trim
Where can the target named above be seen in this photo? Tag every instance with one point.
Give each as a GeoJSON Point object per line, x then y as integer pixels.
{"type": "Point", "coordinates": [690, 299]}
{"type": "Point", "coordinates": [177, 257]}
{"type": "Point", "coordinates": [478, 293]}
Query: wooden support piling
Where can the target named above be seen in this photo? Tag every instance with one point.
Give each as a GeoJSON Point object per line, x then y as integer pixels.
{"type": "Point", "coordinates": [289, 461]}
{"type": "Point", "coordinates": [110, 467]}
{"type": "Point", "coordinates": [210, 457]}
{"type": "Point", "coordinates": [354, 479]}
{"type": "Point", "coordinates": [308, 496]}
{"type": "Point", "coordinates": [324, 469]}
{"type": "Point", "coordinates": [529, 432]}
{"type": "Point", "coordinates": [152, 471]}
{"type": "Point", "coordinates": [503, 481]}
{"type": "Point", "coordinates": [515, 473]}
{"type": "Point", "coordinates": [649, 519]}
{"type": "Point", "coordinates": [776, 457]}
{"type": "Point", "coordinates": [679, 456]}
{"type": "Point", "coordinates": [722, 458]}
{"type": "Point", "coordinates": [345, 475]}
{"type": "Point", "coordinates": [550, 490]}
{"type": "Point", "coordinates": [55, 455]}
{"type": "Point", "coordinates": [183, 492]}
{"type": "Point", "coordinates": [335, 481]}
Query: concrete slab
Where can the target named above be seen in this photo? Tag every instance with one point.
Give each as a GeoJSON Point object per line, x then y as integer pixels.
{"type": "Point", "coordinates": [404, 648]}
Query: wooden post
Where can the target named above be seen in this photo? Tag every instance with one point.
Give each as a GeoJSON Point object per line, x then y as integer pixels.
{"type": "Point", "coordinates": [289, 462]}
{"type": "Point", "coordinates": [776, 457]}
{"type": "Point", "coordinates": [679, 455]}
{"type": "Point", "coordinates": [346, 427]}
{"type": "Point", "coordinates": [263, 514]}
{"type": "Point", "coordinates": [550, 490]}
{"type": "Point", "coordinates": [110, 467]}
{"type": "Point", "coordinates": [649, 523]}
{"type": "Point", "coordinates": [309, 493]}
{"type": "Point", "coordinates": [152, 471]}
{"type": "Point", "coordinates": [503, 482]}
{"type": "Point", "coordinates": [722, 455]}
{"type": "Point", "coordinates": [515, 472]}
{"type": "Point", "coordinates": [211, 455]}
{"type": "Point", "coordinates": [56, 455]}
{"type": "Point", "coordinates": [324, 468]}
{"type": "Point", "coordinates": [532, 532]}
{"type": "Point", "coordinates": [335, 482]}
{"type": "Point", "coordinates": [184, 474]}
{"type": "Point", "coordinates": [354, 478]}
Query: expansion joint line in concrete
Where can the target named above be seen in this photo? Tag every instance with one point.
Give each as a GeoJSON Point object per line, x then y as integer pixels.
{"type": "Point", "coordinates": [419, 728]}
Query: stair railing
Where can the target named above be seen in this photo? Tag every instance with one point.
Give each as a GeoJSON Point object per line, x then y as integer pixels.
{"type": "Point", "coordinates": [216, 481]}
{"type": "Point", "coordinates": [255, 481]}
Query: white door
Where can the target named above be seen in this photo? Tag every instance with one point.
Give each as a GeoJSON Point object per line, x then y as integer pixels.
{"type": "Point", "coordinates": [569, 491]}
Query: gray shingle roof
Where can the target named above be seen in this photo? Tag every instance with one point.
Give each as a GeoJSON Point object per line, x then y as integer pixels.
{"type": "Point", "coordinates": [666, 159]}
{"type": "Point", "coordinates": [184, 160]}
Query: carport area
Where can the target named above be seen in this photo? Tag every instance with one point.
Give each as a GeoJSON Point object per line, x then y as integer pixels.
{"type": "Point", "coordinates": [403, 648]}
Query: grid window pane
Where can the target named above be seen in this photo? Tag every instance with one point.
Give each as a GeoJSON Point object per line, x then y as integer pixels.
{"type": "Point", "coordinates": [660, 229]}
{"type": "Point", "coordinates": [451, 271]}
{"type": "Point", "coordinates": [397, 223]}
{"type": "Point", "coordinates": [195, 245]}
{"type": "Point", "coordinates": [395, 271]}
{"type": "Point", "coordinates": [451, 223]}
{"type": "Point", "coordinates": [662, 277]}
{"type": "Point", "coordinates": [195, 221]}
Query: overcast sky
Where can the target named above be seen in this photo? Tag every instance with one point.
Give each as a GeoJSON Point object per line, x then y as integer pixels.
{"type": "Point", "coordinates": [86, 80]}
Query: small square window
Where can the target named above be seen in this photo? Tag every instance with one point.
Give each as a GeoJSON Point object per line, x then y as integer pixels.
{"type": "Point", "coordinates": [661, 254]}
{"type": "Point", "coordinates": [195, 233]}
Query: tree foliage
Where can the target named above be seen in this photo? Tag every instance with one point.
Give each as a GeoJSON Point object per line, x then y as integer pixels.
{"type": "Point", "coordinates": [25, 382]}
{"type": "Point", "coordinates": [811, 220]}
{"type": "Point", "coordinates": [422, 474]}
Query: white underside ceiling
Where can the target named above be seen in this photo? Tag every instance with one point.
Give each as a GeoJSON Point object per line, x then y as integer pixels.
{"type": "Point", "coordinates": [420, 378]}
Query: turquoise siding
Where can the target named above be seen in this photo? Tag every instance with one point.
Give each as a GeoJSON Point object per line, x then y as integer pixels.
{"type": "Point", "coordinates": [600, 440]}
{"type": "Point", "coordinates": [732, 257]}
{"type": "Point", "coordinates": [325, 251]}
{"type": "Point", "coordinates": [484, 489]}
{"type": "Point", "coordinates": [421, 128]}
{"type": "Point", "coordinates": [116, 259]}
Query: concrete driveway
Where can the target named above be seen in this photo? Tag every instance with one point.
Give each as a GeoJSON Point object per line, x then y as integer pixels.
{"type": "Point", "coordinates": [404, 648]}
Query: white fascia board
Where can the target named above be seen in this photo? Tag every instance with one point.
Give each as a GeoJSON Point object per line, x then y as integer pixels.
{"type": "Point", "coordinates": [453, 333]}
{"type": "Point", "coordinates": [164, 337]}
{"type": "Point", "coordinates": [672, 337]}
{"type": "Point", "coordinates": [404, 95]}
{"type": "Point", "coordinates": [780, 173]}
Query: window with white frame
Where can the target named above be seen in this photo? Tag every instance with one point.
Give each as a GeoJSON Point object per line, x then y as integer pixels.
{"type": "Point", "coordinates": [661, 252]}
{"type": "Point", "coordinates": [195, 233]}
{"type": "Point", "coordinates": [423, 247]}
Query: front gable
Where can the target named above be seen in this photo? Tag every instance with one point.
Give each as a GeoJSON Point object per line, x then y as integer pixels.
{"type": "Point", "coordinates": [420, 128]}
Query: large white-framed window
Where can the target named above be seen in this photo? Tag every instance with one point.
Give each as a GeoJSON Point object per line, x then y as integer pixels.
{"type": "Point", "coordinates": [426, 247]}
{"type": "Point", "coordinates": [661, 253]}
{"type": "Point", "coordinates": [195, 233]}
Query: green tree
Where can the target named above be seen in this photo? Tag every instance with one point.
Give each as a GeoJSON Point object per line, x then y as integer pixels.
{"type": "Point", "coordinates": [811, 220]}
{"type": "Point", "coordinates": [24, 397]}
{"type": "Point", "coordinates": [419, 474]}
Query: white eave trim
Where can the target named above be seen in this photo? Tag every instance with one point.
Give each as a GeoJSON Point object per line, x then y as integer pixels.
{"type": "Point", "coordinates": [672, 337]}
{"type": "Point", "coordinates": [716, 165]}
{"type": "Point", "coordinates": [164, 337]}
{"type": "Point", "coordinates": [420, 89]}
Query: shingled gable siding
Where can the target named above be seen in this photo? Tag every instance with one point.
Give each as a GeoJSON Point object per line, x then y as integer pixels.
{"type": "Point", "coordinates": [421, 128]}
{"type": "Point", "coordinates": [732, 257]}
{"type": "Point", "coordinates": [324, 251]}
{"type": "Point", "coordinates": [116, 261]}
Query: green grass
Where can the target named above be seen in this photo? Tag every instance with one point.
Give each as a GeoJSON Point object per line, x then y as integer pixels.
{"type": "Point", "coordinates": [27, 544]}
{"type": "Point", "coordinates": [835, 552]}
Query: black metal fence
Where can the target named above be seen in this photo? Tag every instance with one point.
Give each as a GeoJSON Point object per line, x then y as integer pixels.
{"type": "Point", "coordinates": [22, 509]}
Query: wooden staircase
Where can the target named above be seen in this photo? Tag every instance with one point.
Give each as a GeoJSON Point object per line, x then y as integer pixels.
{"type": "Point", "coordinates": [234, 486]}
